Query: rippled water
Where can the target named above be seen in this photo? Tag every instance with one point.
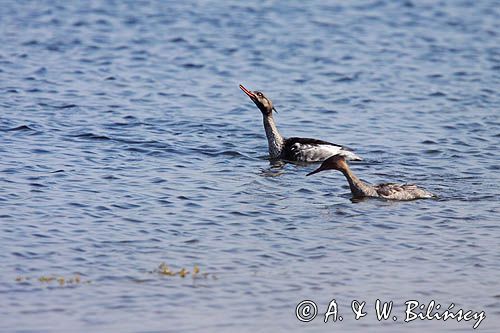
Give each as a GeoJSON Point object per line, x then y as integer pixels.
{"type": "Point", "coordinates": [125, 143]}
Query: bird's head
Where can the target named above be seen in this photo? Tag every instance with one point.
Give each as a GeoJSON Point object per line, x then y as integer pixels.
{"type": "Point", "coordinates": [335, 162]}
{"type": "Point", "coordinates": [263, 103]}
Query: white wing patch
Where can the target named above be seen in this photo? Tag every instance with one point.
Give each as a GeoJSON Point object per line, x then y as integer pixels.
{"type": "Point", "coordinates": [318, 153]}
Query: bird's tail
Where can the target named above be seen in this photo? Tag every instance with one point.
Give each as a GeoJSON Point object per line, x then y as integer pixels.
{"type": "Point", "coordinates": [349, 155]}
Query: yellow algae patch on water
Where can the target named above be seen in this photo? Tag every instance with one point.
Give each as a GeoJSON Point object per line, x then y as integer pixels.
{"type": "Point", "coordinates": [46, 278]}
{"type": "Point", "coordinates": [163, 269]}
{"type": "Point", "coordinates": [61, 280]}
{"type": "Point", "coordinates": [183, 272]}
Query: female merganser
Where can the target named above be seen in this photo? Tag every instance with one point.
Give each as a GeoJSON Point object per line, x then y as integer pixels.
{"type": "Point", "coordinates": [294, 149]}
{"type": "Point", "coordinates": [360, 190]}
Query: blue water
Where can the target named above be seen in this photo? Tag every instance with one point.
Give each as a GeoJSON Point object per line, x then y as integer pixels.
{"type": "Point", "coordinates": [125, 143]}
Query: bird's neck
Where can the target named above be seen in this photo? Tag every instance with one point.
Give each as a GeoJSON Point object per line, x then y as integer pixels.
{"type": "Point", "coordinates": [274, 138]}
{"type": "Point", "coordinates": [358, 188]}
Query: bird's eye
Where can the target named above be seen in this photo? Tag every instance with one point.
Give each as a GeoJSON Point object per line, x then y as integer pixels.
{"type": "Point", "coordinates": [259, 94]}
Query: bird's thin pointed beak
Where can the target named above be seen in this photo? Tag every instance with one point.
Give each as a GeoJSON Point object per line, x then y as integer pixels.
{"type": "Point", "coordinates": [248, 92]}
{"type": "Point", "coordinates": [315, 171]}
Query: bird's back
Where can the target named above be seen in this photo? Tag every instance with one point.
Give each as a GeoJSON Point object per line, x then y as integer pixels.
{"type": "Point", "coordinates": [313, 150]}
{"type": "Point", "coordinates": [402, 191]}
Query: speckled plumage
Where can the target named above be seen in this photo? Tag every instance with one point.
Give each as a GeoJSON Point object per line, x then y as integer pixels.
{"type": "Point", "coordinates": [359, 189]}
{"type": "Point", "coordinates": [401, 191]}
{"type": "Point", "coordinates": [294, 148]}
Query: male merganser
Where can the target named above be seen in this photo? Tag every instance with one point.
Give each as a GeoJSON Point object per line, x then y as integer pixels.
{"type": "Point", "coordinates": [294, 149]}
{"type": "Point", "coordinates": [360, 190]}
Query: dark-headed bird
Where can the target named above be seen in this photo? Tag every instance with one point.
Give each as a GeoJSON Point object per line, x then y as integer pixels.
{"type": "Point", "coordinates": [294, 149]}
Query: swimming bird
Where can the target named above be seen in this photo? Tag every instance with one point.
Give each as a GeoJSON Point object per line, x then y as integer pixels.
{"type": "Point", "coordinates": [359, 189]}
{"type": "Point", "coordinates": [293, 149]}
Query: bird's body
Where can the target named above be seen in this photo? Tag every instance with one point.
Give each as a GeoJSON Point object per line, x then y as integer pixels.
{"type": "Point", "coordinates": [359, 189]}
{"type": "Point", "coordinates": [313, 150]}
{"type": "Point", "coordinates": [401, 191]}
{"type": "Point", "coordinates": [294, 148]}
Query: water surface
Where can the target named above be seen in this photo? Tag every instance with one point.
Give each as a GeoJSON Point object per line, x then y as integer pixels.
{"type": "Point", "coordinates": [125, 143]}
